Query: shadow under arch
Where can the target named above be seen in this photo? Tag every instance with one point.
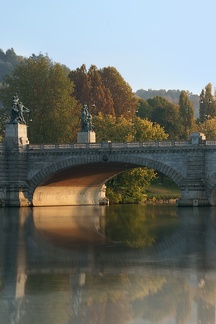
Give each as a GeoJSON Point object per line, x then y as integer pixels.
{"type": "Point", "coordinates": [78, 180]}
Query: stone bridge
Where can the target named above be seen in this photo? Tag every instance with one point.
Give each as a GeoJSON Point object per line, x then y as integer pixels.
{"type": "Point", "coordinates": [75, 174]}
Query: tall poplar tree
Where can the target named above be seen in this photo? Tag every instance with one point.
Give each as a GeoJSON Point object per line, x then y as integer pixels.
{"type": "Point", "coordinates": [207, 103]}
{"type": "Point", "coordinates": [186, 112]}
{"type": "Point", "coordinates": [101, 98]}
{"type": "Point", "coordinates": [82, 85]}
{"type": "Point", "coordinates": [90, 90]}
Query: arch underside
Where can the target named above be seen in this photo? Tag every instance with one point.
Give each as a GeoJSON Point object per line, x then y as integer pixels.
{"type": "Point", "coordinates": [82, 183]}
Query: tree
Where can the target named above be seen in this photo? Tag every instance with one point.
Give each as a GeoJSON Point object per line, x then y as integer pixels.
{"type": "Point", "coordinates": [166, 115]}
{"type": "Point", "coordinates": [207, 103]}
{"type": "Point", "coordinates": [119, 129]}
{"type": "Point", "coordinates": [82, 85]}
{"type": "Point", "coordinates": [145, 130]}
{"type": "Point", "coordinates": [45, 89]}
{"type": "Point", "coordinates": [125, 103]}
{"type": "Point", "coordinates": [90, 90]}
{"type": "Point", "coordinates": [8, 61]}
{"type": "Point", "coordinates": [186, 112]}
{"type": "Point", "coordinates": [101, 98]}
{"type": "Point", "coordinates": [208, 127]}
{"type": "Point", "coordinates": [144, 110]}
{"type": "Point", "coordinates": [129, 186]}
{"type": "Point", "coordinates": [110, 128]}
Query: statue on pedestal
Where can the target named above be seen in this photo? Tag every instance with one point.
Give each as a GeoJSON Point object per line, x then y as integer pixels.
{"type": "Point", "coordinates": [17, 111]}
{"type": "Point", "coordinates": [86, 120]}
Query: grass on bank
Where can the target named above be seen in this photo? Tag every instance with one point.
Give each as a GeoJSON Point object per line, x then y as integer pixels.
{"type": "Point", "coordinates": [163, 190]}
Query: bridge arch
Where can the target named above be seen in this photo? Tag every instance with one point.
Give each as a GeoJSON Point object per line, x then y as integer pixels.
{"type": "Point", "coordinates": [79, 180]}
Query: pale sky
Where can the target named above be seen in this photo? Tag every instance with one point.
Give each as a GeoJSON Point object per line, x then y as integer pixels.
{"type": "Point", "coordinates": [154, 44]}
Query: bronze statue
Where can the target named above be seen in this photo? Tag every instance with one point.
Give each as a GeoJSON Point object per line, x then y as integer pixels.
{"type": "Point", "coordinates": [17, 111]}
{"type": "Point", "coordinates": [86, 120]}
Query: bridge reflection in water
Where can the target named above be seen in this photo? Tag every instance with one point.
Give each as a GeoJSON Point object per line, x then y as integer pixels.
{"type": "Point", "coordinates": [75, 265]}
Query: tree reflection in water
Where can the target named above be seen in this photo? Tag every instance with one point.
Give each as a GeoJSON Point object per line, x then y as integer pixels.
{"type": "Point", "coordinates": [69, 286]}
{"type": "Point", "coordinates": [138, 226]}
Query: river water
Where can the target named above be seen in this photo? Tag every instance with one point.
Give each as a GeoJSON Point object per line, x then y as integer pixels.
{"type": "Point", "coordinates": [108, 265]}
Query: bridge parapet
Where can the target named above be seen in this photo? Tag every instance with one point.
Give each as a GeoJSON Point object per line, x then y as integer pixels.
{"type": "Point", "coordinates": [110, 145]}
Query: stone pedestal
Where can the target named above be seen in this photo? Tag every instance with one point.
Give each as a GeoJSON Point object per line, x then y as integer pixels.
{"type": "Point", "coordinates": [86, 137]}
{"type": "Point", "coordinates": [197, 138]}
{"type": "Point", "coordinates": [16, 166]}
{"type": "Point", "coordinates": [15, 135]}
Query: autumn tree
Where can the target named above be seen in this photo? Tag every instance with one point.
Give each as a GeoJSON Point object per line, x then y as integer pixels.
{"type": "Point", "coordinates": [90, 90]}
{"type": "Point", "coordinates": [104, 91]}
{"type": "Point", "coordinates": [186, 112]}
{"type": "Point", "coordinates": [125, 103]}
{"type": "Point", "coordinates": [46, 90]}
{"type": "Point", "coordinates": [82, 84]}
{"type": "Point", "coordinates": [101, 98]}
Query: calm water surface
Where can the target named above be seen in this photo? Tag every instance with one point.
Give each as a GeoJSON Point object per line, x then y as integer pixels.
{"type": "Point", "coordinates": [108, 265]}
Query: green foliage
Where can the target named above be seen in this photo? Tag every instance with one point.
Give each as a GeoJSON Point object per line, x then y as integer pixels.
{"type": "Point", "coordinates": [144, 110]}
{"type": "Point", "coordinates": [145, 130]}
{"type": "Point", "coordinates": [166, 115]}
{"type": "Point", "coordinates": [208, 127]}
{"type": "Point", "coordinates": [110, 128]}
{"type": "Point", "coordinates": [170, 95]}
{"type": "Point", "coordinates": [186, 112]}
{"type": "Point", "coordinates": [44, 88]}
{"type": "Point", "coordinates": [119, 129]}
{"type": "Point", "coordinates": [8, 62]}
{"type": "Point", "coordinates": [129, 187]}
{"type": "Point", "coordinates": [207, 103]}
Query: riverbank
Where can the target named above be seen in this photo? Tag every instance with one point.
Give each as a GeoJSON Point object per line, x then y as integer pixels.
{"type": "Point", "coordinates": [162, 191]}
